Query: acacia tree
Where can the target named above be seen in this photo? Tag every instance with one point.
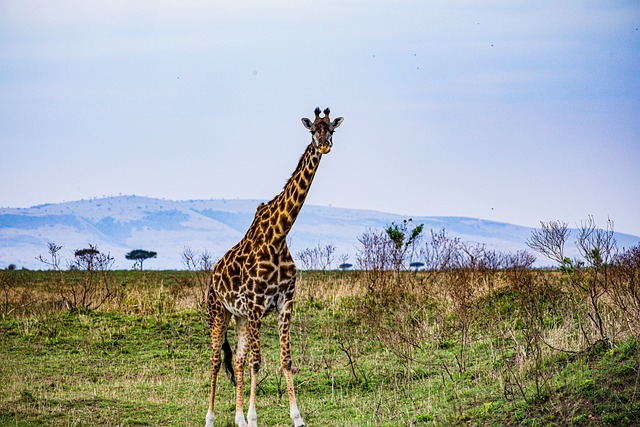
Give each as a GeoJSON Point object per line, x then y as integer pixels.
{"type": "Point", "coordinates": [405, 241]}
{"type": "Point", "coordinates": [139, 255]}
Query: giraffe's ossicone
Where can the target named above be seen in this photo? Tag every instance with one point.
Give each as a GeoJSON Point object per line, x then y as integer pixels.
{"type": "Point", "coordinates": [258, 276]}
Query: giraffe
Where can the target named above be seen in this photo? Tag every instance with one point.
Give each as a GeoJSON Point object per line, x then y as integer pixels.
{"type": "Point", "coordinates": [257, 276]}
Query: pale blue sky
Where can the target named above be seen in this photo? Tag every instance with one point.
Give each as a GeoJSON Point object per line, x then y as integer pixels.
{"type": "Point", "coordinates": [516, 111]}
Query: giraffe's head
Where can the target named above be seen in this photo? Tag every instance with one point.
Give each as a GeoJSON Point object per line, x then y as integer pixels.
{"type": "Point", "coordinates": [322, 129]}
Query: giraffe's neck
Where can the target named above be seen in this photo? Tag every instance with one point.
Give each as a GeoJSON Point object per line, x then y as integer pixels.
{"type": "Point", "coordinates": [274, 220]}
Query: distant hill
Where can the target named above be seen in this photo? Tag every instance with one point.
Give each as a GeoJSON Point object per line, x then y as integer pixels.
{"type": "Point", "coordinates": [121, 224]}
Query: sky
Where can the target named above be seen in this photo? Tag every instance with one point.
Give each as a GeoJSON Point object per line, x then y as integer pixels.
{"type": "Point", "coordinates": [506, 110]}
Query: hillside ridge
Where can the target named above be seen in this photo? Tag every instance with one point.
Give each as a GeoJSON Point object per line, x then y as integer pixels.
{"type": "Point", "coordinates": [119, 224]}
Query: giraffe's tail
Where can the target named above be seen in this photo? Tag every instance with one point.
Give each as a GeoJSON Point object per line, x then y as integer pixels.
{"type": "Point", "coordinates": [228, 360]}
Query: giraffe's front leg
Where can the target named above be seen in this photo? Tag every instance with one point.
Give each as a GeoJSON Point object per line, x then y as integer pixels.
{"type": "Point", "coordinates": [240, 358]}
{"type": "Point", "coordinates": [284, 323]}
{"type": "Point", "coordinates": [248, 339]}
{"type": "Point", "coordinates": [253, 333]}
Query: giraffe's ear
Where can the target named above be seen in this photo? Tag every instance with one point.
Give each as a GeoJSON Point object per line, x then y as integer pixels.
{"type": "Point", "coordinates": [337, 122]}
{"type": "Point", "coordinates": [307, 123]}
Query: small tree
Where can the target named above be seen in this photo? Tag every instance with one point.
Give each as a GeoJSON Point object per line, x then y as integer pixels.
{"type": "Point", "coordinates": [416, 265]}
{"type": "Point", "coordinates": [86, 259]}
{"type": "Point", "coordinates": [404, 241]}
{"type": "Point", "coordinates": [139, 255]}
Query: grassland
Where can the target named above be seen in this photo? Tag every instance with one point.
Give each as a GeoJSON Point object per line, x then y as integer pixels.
{"type": "Point", "coordinates": [510, 348]}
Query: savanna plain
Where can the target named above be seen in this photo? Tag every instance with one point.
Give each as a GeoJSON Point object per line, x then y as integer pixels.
{"type": "Point", "coordinates": [466, 336]}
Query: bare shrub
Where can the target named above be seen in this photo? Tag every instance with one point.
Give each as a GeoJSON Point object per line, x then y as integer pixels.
{"type": "Point", "coordinates": [439, 250]}
{"type": "Point", "coordinates": [57, 283]}
{"type": "Point", "coordinates": [88, 284]}
{"type": "Point", "coordinates": [200, 264]}
{"type": "Point", "coordinates": [550, 240]}
{"type": "Point", "coordinates": [588, 277]}
{"type": "Point", "coordinates": [317, 258]}
{"type": "Point", "coordinates": [374, 259]}
{"type": "Point", "coordinates": [597, 247]}
{"type": "Point", "coordinates": [625, 287]}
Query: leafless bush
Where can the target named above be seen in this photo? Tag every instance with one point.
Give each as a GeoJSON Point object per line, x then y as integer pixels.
{"type": "Point", "coordinates": [550, 240]}
{"type": "Point", "coordinates": [88, 284]}
{"type": "Point", "coordinates": [374, 259]}
{"type": "Point", "coordinates": [625, 287]}
{"type": "Point", "coordinates": [317, 258]}
{"type": "Point", "coordinates": [200, 264]}
{"type": "Point", "coordinates": [590, 277]}
{"type": "Point", "coordinates": [55, 259]}
{"type": "Point", "coordinates": [597, 247]}
{"type": "Point", "coordinates": [439, 250]}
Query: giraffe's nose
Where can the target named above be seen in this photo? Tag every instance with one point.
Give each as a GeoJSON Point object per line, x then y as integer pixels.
{"type": "Point", "coordinates": [324, 149]}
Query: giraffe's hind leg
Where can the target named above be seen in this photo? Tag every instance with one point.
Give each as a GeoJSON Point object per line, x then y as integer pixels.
{"type": "Point", "coordinates": [253, 333]}
{"type": "Point", "coordinates": [248, 340]}
{"type": "Point", "coordinates": [218, 319]}
{"type": "Point", "coordinates": [239, 362]}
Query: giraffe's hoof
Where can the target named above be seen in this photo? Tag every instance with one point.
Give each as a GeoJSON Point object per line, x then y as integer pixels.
{"type": "Point", "coordinates": [209, 420]}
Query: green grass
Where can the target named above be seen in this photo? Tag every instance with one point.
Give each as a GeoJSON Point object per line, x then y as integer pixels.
{"type": "Point", "coordinates": [141, 363]}
{"type": "Point", "coordinates": [101, 369]}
